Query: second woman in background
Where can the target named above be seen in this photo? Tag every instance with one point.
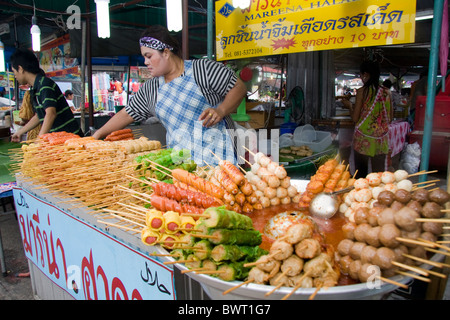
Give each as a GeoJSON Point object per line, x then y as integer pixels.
{"type": "Point", "coordinates": [372, 113]}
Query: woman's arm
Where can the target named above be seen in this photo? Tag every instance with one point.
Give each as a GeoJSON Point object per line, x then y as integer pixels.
{"type": "Point", "coordinates": [355, 111]}
{"type": "Point", "coordinates": [119, 121]}
{"type": "Point", "coordinates": [211, 116]}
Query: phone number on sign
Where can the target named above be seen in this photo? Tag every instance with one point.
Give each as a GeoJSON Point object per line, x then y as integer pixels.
{"type": "Point", "coordinates": [247, 52]}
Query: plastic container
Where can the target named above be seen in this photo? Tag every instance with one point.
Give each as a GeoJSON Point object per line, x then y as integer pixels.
{"type": "Point", "coordinates": [323, 140]}
{"type": "Point", "coordinates": [286, 140]}
{"type": "Point", "coordinates": [305, 133]}
{"type": "Point", "coordinates": [288, 127]}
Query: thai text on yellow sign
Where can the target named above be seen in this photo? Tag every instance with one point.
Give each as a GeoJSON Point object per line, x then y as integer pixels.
{"type": "Point", "coordinates": [270, 27]}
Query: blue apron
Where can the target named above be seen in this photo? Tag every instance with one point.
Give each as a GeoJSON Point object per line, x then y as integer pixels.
{"type": "Point", "coordinates": [178, 107]}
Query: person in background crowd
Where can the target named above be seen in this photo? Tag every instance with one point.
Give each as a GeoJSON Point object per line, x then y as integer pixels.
{"type": "Point", "coordinates": [189, 97]}
{"type": "Point", "coordinates": [69, 98]}
{"type": "Point", "coordinates": [395, 96]}
{"type": "Point", "coordinates": [372, 113]}
{"type": "Point", "coordinates": [52, 110]}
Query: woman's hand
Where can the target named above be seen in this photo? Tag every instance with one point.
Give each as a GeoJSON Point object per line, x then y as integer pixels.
{"type": "Point", "coordinates": [210, 117]}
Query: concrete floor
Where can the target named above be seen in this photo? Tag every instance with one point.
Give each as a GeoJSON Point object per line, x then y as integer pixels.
{"type": "Point", "coordinates": [16, 284]}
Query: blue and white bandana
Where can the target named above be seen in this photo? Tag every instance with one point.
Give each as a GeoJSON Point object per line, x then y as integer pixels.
{"type": "Point", "coordinates": [153, 43]}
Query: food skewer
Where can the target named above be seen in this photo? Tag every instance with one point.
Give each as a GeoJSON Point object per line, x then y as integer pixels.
{"type": "Point", "coordinates": [401, 285]}
{"type": "Point", "coordinates": [237, 286]}
{"type": "Point", "coordinates": [412, 275]}
{"type": "Point", "coordinates": [311, 297]}
{"type": "Point", "coordinates": [297, 286]}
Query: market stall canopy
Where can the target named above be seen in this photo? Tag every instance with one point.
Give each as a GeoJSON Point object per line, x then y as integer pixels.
{"type": "Point", "coordinates": [128, 19]}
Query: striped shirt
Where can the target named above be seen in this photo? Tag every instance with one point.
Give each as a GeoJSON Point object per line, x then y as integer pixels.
{"type": "Point", "coordinates": [213, 78]}
{"type": "Point", "coordinates": [45, 93]}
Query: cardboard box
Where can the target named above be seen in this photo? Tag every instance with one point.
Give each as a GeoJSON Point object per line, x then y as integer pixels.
{"type": "Point", "coordinates": [259, 119]}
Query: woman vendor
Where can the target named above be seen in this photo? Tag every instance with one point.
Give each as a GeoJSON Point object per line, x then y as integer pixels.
{"type": "Point", "coordinates": [193, 100]}
{"type": "Point", "coordinates": [372, 113]}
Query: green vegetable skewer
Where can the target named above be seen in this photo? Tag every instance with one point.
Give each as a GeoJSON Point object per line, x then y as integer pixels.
{"type": "Point", "coordinates": [223, 252]}
{"type": "Point", "coordinates": [219, 217]}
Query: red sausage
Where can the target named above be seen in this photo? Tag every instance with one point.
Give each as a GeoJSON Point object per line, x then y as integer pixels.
{"type": "Point", "coordinates": [156, 223]}
{"type": "Point", "coordinates": [150, 240]}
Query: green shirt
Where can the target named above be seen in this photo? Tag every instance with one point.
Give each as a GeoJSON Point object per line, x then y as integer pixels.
{"type": "Point", "coordinates": [46, 93]}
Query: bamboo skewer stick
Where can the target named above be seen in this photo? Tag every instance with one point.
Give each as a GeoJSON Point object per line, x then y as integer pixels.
{"type": "Point", "coordinates": [178, 261]}
{"type": "Point", "coordinates": [438, 252]}
{"type": "Point", "coordinates": [436, 244]}
{"type": "Point", "coordinates": [117, 226]}
{"type": "Point", "coordinates": [297, 286]}
{"type": "Point", "coordinates": [410, 268]}
{"type": "Point", "coordinates": [422, 172]}
{"type": "Point", "coordinates": [311, 297]}
{"type": "Point", "coordinates": [440, 220]}
{"type": "Point", "coordinates": [401, 285]}
{"type": "Point", "coordinates": [237, 286]}
{"type": "Point", "coordinates": [206, 236]}
{"type": "Point", "coordinates": [423, 187]}
{"type": "Point", "coordinates": [412, 241]}
{"type": "Point", "coordinates": [423, 182]}
{"type": "Point", "coordinates": [192, 270]}
{"type": "Point", "coordinates": [412, 275]}
{"type": "Point", "coordinates": [432, 263]}
{"type": "Point", "coordinates": [211, 272]}
{"type": "Point", "coordinates": [273, 290]}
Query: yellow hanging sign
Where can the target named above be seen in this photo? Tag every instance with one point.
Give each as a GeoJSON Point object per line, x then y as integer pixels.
{"type": "Point", "coordinates": [270, 27]}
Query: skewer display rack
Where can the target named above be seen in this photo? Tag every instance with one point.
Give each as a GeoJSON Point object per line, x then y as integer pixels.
{"type": "Point", "coordinates": [186, 285]}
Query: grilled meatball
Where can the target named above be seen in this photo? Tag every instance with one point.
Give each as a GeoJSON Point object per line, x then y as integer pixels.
{"type": "Point", "coordinates": [281, 249]}
{"type": "Point", "coordinates": [411, 235]}
{"type": "Point", "coordinates": [258, 276]}
{"type": "Point", "coordinates": [269, 265]}
{"type": "Point", "coordinates": [353, 269]}
{"type": "Point", "coordinates": [367, 271]}
{"type": "Point", "coordinates": [428, 236]}
{"type": "Point", "coordinates": [399, 251]}
{"type": "Point", "coordinates": [388, 234]}
{"type": "Point", "coordinates": [367, 254]}
{"type": "Point", "coordinates": [344, 247]}
{"type": "Point", "coordinates": [297, 232]}
{"type": "Point", "coordinates": [308, 248]}
{"type": "Point", "coordinates": [292, 266]}
{"type": "Point", "coordinates": [344, 263]}
{"type": "Point", "coordinates": [306, 282]}
{"type": "Point", "coordinates": [439, 196]}
{"type": "Point", "coordinates": [355, 250]}
{"type": "Point", "coordinates": [386, 197]}
{"type": "Point", "coordinates": [383, 258]}
{"type": "Point", "coordinates": [374, 213]}
{"type": "Point", "coordinates": [372, 236]}
{"type": "Point", "coordinates": [405, 219]}
{"type": "Point", "coordinates": [361, 231]}
{"type": "Point", "coordinates": [386, 216]}
{"type": "Point", "coordinates": [361, 215]}
{"type": "Point", "coordinates": [420, 195]}
{"type": "Point", "coordinates": [432, 210]}
{"type": "Point", "coordinates": [402, 196]}
{"type": "Point", "coordinates": [433, 227]}
{"type": "Point", "coordinates": [419, 252]}
{"type": "Point", "coordinates": [414, 204]}
{"type": "Point", "coordinates": [396, 205]}
{"type": "Point", "coordinates": [349, 230]}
